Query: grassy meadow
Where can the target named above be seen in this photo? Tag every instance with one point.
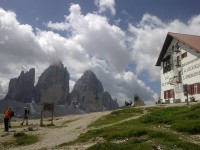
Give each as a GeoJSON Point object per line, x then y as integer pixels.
{"type": "Point", "coordinates": [163, 128]}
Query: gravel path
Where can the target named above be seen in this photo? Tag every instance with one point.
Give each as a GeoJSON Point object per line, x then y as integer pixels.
{"type": "Point", "coordinates": [66, 129]}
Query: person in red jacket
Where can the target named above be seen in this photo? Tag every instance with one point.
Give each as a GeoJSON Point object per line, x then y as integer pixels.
{"type": "Point", "coordinates": [7, 118]}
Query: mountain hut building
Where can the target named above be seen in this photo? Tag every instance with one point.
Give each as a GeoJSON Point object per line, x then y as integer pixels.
{"type": "Point", "coordinates": [179, 61]}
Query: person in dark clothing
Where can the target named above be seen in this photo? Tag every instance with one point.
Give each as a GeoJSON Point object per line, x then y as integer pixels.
{"type": "Point", "coordinates": [26, 115]}
{"type": "Point", "coordinates": [7, 118]}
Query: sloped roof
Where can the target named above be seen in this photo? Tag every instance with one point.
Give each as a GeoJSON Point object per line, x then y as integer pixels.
{"type": "Point", "coordinates": [192, 41]}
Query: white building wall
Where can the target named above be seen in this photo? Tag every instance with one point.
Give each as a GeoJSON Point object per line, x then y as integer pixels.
{"type": "Point", "coordinates": [190, 72]}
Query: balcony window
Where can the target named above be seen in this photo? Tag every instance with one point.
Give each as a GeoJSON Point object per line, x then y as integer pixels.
{"type": "Point", "coordinates": [166, 64]}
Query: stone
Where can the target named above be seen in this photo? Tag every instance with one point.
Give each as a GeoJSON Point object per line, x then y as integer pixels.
{"type": "Point", "coordinates": [53, 85]}
{"type": "Point", "coordinates": [21, 89]}
{"type": "Point", "coordinates": [138, 101]}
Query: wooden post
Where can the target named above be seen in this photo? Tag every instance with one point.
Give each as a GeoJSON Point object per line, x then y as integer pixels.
{"type": "Point", "coordinates": [185, 90]}
{"type": "Point", "coordinates": [52, 118]}
{"type": "Point", "coordinates": [47, 107]}
{"type": "Point", "coordinates": [41, 118]}
{"type": "Point", "coordinates": [187, 99]}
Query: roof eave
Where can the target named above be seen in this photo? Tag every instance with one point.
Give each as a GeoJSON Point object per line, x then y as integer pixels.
{"type": "Point", "coordinates": [166, 44]}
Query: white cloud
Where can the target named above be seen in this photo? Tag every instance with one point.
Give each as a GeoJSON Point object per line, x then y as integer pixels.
{"type": "Point", "coordinates": [57, 26]}
{"type": "Point", "coordinates": [147, 38]}
{"type": "Point", "coordinates": [97, 37]}
{"type": "Point", "coordinates": [91, 42]}
{"type": "Point", "coordinates": [106, 5]}
{"type": "Point", "coordinates": [124, 85]}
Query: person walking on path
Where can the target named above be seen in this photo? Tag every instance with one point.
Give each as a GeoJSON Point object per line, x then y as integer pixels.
{"type": "Point", "coordinates": [11, 112]}
{"type": "Point", "coordinates": [26, 115]}
{"type": "Point", "coordinates": [7, 117]}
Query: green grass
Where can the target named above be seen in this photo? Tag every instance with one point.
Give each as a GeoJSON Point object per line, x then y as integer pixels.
{"type": "Point", "coordinates": [182, 119]}
{"type": "Point", "coordinates": [125, 146]}
{"type": "Point", "coordinates": [21, 139]}
{"type": "Point", "coordinates": [27, 140]}
{"type": "Point", "coordinates": [144, 133]}
{"type": "Point", "coordinates": [118, 115]}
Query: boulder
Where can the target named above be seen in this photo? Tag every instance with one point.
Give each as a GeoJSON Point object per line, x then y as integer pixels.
{"type": "Point", "coordinates": [53, 85]}
{"type": "Point", "coordinates": [138, 101]}
{"type": "Point", "coordinates": [21, 88]}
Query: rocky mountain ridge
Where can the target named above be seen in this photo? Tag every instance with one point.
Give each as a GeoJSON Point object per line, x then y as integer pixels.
{"type": "Point", "coordinates": [21, 89]}
{"type": "Point", "coordinates": [88, 94]}
{"type": "Point", "coordinates": [53, 85]}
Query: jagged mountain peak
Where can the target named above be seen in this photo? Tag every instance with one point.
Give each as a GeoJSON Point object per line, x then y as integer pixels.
{"type": "Point", "coordinates": [21, 88]}
{"type": "Point", "coordinates": [88, 94]}
{"type": "Point", "coordinates": [53, 85]}
{"type": "Point", "coordinates": [57, 64]}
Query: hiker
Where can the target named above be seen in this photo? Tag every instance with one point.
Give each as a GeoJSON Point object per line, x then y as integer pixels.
{"type": "Point", "coordinates": [7, 117]}
{"type": "Point", "coordinates": [26, 115]}
{"type": "Point", "coordinates": [11, 112]}
{"type": "Point", "coordinates": [128, 104]}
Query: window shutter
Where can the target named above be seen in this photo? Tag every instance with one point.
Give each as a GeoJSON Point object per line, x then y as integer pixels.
{"type": "Point", "coordinates": [177, 61]}
{"type": "Point", "coordinates": [192, 89]}
{"type": "Point", "coordinates": [198, 88]}
{"type": "Point", "coordinates": [169, 94]}
{"type": "Point", "coordinates": [179, 77]}
{"type": "Point", "coordinates": [172, 92]}
{"type": "Point", "coordinates": [164, 94]}
{"type": "Point", "coordinates": [182, 55]}
{"type": "Point", "coordinates": [189, 89]}
{"type": "Point", "coordinates": [185, 54]}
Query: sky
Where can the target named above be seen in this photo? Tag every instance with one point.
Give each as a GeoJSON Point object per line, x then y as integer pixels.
{"type": "Point", "coordinates": [119, 40]}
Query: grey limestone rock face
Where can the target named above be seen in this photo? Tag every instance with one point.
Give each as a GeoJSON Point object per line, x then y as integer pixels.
{"type": "Point", "coordinates": [108, 102]}
{"type": "Point", "coordinates": [53, 85]}
{"type": "Point", "coordinates": [21, 88]}
{"type": "Point", "coordinates": [88, 94]}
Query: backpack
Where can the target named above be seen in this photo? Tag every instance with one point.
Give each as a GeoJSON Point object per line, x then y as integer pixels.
{"type": "Point", "coordinates": [12, 113]}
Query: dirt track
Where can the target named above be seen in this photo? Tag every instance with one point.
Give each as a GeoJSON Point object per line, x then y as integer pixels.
{"type": "Point", "coordinates": [66, 129]}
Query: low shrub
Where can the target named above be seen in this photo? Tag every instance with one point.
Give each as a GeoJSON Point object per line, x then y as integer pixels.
{"type": "Point", "coordinates": [27, 140]}
{"type": "Point", "coordinates": [190, 126]}
{"type": "Point", "coordinates": [19, 134]}
{"type": "Point", "coordinates": [122, 146]}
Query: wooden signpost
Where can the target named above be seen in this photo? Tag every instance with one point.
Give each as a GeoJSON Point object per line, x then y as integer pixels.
{"type": "Point", "coordinates": [46, 107]}
{"type": "Point", "coordinates": [185, 90]}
